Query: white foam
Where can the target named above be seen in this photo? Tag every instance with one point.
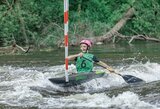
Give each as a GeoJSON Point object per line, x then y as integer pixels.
{"type": "Point", "coordinates": [19, 81]}
{"type": "Point", "coordinates": [125, 100]}
{"type": "Point", "coordinates": [148, 72]}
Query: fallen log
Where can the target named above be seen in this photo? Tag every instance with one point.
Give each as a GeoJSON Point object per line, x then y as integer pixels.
{"type": "Point", "coordinates": [117, 27]}
{"type": "Point", "coordinates": [137, 37]}
{"type": "Point", "coordinates": [16, 48]}
{"type": "Point", "coordinates": [143, 37]}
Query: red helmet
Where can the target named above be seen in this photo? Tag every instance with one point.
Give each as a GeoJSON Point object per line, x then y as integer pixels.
{"type": "Point", "coordinates": [87, 42]}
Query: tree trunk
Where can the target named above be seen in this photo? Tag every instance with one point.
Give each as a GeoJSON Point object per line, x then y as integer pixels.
{"type": "Point", "coordinates": [22, 22]}
{"type": "Point", "coordinates": [117, 27]}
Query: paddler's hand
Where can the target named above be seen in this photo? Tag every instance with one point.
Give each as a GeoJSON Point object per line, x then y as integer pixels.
{"type": "Point", "coordinates": [80, 55]}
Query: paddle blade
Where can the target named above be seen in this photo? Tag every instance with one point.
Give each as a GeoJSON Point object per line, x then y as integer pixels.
{"type": "Point", "coordinates": [131, 79]}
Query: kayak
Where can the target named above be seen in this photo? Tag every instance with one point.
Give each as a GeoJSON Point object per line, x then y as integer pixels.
{"type": "Point", "coordinates": [75, 79]}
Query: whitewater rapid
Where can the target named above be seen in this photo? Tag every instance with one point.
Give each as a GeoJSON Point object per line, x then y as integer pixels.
{"type": "Point", "coordinates": [29, 87]}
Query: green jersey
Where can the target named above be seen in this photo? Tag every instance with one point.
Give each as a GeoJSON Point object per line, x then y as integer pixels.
{"type": "Point", "coordinates": [83, 65]}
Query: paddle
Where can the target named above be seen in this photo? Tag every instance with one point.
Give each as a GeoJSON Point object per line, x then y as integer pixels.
{"type": "Point", "coordinates": [128, 78]}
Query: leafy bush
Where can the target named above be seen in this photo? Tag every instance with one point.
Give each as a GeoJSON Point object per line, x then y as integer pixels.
{"type": "Point", "coordinates": [41, 21]}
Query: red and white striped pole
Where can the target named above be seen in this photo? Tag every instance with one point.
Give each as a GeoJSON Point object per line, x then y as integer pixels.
{"type": "Point", "coordinates": [66, 7]}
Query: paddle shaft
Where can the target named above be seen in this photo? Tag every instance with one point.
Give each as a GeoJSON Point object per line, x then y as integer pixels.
{"type": "Point", "coordinates": [100, 65]}
{"type": "Point", "coordinates": [127, 78]}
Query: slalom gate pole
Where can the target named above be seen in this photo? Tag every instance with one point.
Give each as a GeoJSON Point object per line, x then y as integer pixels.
{"type": "Point", "coordinates": [66, 7]}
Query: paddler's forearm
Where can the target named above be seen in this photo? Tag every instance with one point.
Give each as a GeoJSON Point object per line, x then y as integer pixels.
{"type": "Point", "coordinates": [105, 66]}
{"type": "Point", "coordinates": [72, 57]}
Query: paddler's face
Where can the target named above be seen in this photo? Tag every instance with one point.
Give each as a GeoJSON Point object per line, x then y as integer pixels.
{"type": "Point", "coordinates": [84, 48]}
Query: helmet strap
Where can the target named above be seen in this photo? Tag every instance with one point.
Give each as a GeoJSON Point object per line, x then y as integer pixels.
{"type": "Point", "coordinates": [87, 49]}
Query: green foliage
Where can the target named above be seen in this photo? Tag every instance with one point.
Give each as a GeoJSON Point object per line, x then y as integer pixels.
{"type": "Point", "coordinates": [42, 20]}
{"type": "Point", "coordinates": [146, 19]}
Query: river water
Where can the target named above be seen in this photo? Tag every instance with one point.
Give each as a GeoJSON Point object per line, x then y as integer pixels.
{"type": "Point", "coordinates": [24, 79]}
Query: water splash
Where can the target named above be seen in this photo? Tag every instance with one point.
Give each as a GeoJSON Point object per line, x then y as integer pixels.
{"type": "Point", "coordinates": [16, 83]}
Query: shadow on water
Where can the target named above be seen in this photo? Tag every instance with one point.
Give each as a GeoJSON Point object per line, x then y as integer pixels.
{"type": "Point", "coordinates": [142, 89]}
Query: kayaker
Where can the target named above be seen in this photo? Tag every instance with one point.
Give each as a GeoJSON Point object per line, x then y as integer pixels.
{"type": "Point", "coordinates": [84, 60]}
